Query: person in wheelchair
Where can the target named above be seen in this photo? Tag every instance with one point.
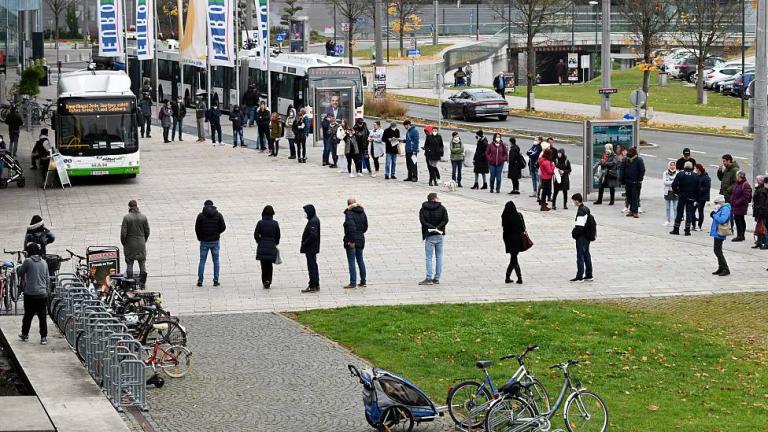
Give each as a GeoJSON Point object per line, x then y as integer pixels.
{"type": "Point", "coordinates": [459, 78]}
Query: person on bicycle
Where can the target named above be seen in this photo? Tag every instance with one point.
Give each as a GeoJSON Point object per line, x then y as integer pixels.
{"type": "Point", "coordinates": [134, 234]}
{"type": "Point", "coordinates": [38, 234]}
{"type": "Point", "coordinates": [34, 270]}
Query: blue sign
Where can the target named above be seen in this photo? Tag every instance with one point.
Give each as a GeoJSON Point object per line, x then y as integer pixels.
{"type": "Point", "coordinates": [413, 52]}
{"type": "Point", "coordinates": [360, 20]}
{"type": "Point", "coordinates": [431, 28]}
{"type": "Point", "coordinates": [339, 49]}
{"type": "Point", "coordinates": [281, 36]}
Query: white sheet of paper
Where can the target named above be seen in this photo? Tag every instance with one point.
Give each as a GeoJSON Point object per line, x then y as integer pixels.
{"type": "Point", "coordinates": [581, 220]}
{"type": "Point", "coordinates": [413, 158]}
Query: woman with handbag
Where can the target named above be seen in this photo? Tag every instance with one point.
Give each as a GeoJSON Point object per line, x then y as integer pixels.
{"type": "Point", "coordinates": [670, 197]}
{"type": "Point", "coordinates": [720, 229]}
{"type": "Point", "coordinates": [267, 236]}
{"type": "Point", "coordinates": [760, 212]}
{"type": "Point", "coordinates": [562, 178]}
{"type": "Point", "coordinates": [516, 239]}
{"type": "Point", "coordinates": [609, 177]}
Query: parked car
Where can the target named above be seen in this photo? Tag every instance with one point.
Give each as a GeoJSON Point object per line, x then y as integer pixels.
{"type": "Point", "coordinates": [720, 74]}
{"type": "Point", "coordinates": [474, 103]}
{"type": "Point", "coordinates": [686, 69]}
{"type": "Point", "coordinates": [734, 86]}
{"type": "Point", "coordinates": [741, 84]}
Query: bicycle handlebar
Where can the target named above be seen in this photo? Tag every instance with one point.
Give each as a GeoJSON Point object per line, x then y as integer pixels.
{"type": "Point", "coordinates": [564, 365]}
{"type": "Point", "coordinates": [353, 371]}
{"type": "Point", "coordinates": [520, 357]}
{"type": "Point", "coordinates": [72, 254]}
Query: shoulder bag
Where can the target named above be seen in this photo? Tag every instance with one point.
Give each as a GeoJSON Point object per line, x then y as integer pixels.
{"type": "Point", "coordinates": [526, 242]}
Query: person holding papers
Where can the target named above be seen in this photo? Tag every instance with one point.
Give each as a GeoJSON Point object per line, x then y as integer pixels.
{"type": "Point", "coordinates": [584, 232]}
{"type": "Point", "coordinates": [433, 217]}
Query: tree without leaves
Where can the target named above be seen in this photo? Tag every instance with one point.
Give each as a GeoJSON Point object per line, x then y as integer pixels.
{"type": "Point", "coordinates": [350, 11]}
{"type": "Point", "coordinates": [57, 8]}
{"type": "Point", "coordinates": [700, 25]}
{"type": "Point", "coordinates": [291, 8]}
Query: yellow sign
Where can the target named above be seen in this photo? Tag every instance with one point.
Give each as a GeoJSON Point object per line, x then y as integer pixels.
{"type": "Point", "coordinates": [96, 107]}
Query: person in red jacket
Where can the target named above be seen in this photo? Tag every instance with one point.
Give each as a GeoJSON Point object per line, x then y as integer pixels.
{"type": "Point", "coordinates": [546, 172]}
{"type": "Point", "coordinates": [740, 199]}
{"type": "Point", "coordinates": [496, 153]}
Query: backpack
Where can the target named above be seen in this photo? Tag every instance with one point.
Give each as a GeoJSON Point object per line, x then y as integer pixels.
{"type": "Point", "coordinates": [590, 228]}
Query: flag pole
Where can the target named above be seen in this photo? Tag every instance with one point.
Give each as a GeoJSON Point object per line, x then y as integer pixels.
{"type": "Point", "coordinates": [237, 54]}
{"type": "Point", "coordinates": [180, 23]}
{"type": "Point", "coordinates": [125, 36]}
{"type": "Point", "coordinates": [269, 68]}
{"type": "Point", "coordinates": [156, 25]}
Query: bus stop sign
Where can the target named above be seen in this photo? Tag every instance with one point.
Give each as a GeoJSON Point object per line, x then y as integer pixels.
{"type": "Point", "coordinates": [339, 49]}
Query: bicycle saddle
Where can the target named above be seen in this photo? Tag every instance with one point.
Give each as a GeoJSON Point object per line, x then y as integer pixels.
{"type": "Point", "coordinates": [482, 364]}
{"type": "Point", "coordinates": [8, 264]}
{"type": "Point", "coordinates": [149, 308]}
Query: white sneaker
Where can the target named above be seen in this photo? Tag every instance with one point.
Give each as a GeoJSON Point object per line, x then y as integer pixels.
{"type": "Point", "coordinates": [640, 210]}
{"type": "Point", "coordinates": [666, 223]}
{"type": "Point", "coordinates": [352, 175]}
{"type": "Point", "coordinates": [361, 174]}
{"type": "Point", "coordinates": [373, 175]}
{"type": "Point", "coordinates": [625, 210]}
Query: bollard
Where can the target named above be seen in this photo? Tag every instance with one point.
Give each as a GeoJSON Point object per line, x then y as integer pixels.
{"type": "Point", "coordinates": [66, 58]}
{"type": "Point", "coordinates": [663, 79]}
{"type": "Point", "coordinates": [82, 57]}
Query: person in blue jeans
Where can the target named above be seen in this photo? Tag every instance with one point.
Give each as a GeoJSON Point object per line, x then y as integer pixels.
{"type": "Point", "coordinates": [208, 227]}
{"type": "Point", "coordinates": [433, 217]}
{"type": "Point", "coordinates": [583, 234]}
{"type": "Point", "coordinates": [391, 138]}
{"type": "Point", "coordinates": [355, 226]}
{"type": "Point", "coordinates": [533, 164]}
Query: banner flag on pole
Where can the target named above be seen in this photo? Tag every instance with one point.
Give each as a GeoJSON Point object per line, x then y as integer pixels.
{"type": "Point", "coordinates": [221, 32]}
{"type": "Point", "coordinates": [180, 18]}
{"type": "Point", "coordinates": [192, 46]}
{"type": "Point", "coordinates": [111, 29]}
{"type": "Point", "coordinates": [263, 27]}
{"type": "Point", "coordinates": [145, 29]}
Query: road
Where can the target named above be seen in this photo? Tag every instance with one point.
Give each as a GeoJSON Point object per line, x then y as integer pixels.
{"type": "Point", "coordinates": [706, 149]}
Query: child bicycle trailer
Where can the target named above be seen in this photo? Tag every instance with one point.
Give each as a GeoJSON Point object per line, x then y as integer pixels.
{"type": "Point", "coordinates": [391, 402]}
{"type": "Point", "coordinates": [15, 171]}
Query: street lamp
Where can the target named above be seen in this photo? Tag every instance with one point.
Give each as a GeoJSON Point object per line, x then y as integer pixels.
{"type": "Point", "coordinates": [594, 4]}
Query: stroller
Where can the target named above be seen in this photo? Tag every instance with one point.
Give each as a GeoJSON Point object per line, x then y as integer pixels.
{"type": "Point", "coordinates": [16, 172]}
{"type": "Point", "coordinates": [391, 402]}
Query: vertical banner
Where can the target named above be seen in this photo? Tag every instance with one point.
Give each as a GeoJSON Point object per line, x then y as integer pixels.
{"type": "Point", "coordinates": [110, 29]}
{"type": "Point", "coordinates": [221, 33]}
{"type": "Point", "coordinates": [573, 67]}
{"type": "Point", "coordinates": [263, 27]}
{"type": "Point", "coordinates": [145, 29]}
{"type": "Point", "coordinates": [192, 46]}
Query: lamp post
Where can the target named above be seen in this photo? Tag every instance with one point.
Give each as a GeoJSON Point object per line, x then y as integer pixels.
{"type": "Point", "coordinates": [386, 17]}
{"type": "Point", "coordinates": [509, 36]}
{"type": "Point", "coordinates": [573, 25]}
{"type": "Point", "coordinates": [743, 89]}
{"type": "Point", "coordinates": [593, 61]}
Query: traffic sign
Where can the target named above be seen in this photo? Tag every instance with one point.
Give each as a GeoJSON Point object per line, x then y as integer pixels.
{"type": "Point", "coordinates": [360, 20]}
{"type": "Point", "coordinates": [339, 49]}
{"type": "Point", "coordinates": [345, 27]}
{"type": "Point", "coordinates": [281, 36]}
{"type": "Point", "coordinates": [608, 90]}
{"type": "Point", "coordinates": [637, 98]}
{"type": "Point", "coordinates": [413, 52]}
{"type": "Point", "coordinates": [431, 28]}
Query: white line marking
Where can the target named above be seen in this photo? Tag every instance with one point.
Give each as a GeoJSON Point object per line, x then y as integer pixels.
{"type": "Point", "coordinates": [647, 155]}
{"type": "Point", "coordinates": [672, 159]}
{"type": "Point", "coordinates": [739, 157]}
{"type": "Point", "coordinates": [697, 151]}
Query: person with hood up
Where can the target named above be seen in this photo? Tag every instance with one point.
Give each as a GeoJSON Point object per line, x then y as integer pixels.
{"type": "Point", "coordinates": [377, 145]}
{"type": "Point", "coordinates": [237, 117]}
{"type": "Point", "coordinates": [686, 187]}
{"type": "Point", "coordinates": [290, 131]}
{"type": "Point", "coordinates": [262, 126]}
{"type": "Point", "coordinates": [760, 211]}
{"type": "Point", "coordinates": [741, 196]}
{"type": "Point", "coordinates": [496, 154]}
{"type": "Point", "coordinates": [480, 161]}
{"type": "Point", "coordinates": [134, 233]}
{"type": "Point", "coordinates": [34, 270]}
{"type": "Point", "coordinates": [516, 165]}
{"type": "Point", "coordinates": [166, 118]}
{"type": "Point", "coordinates": [609, 174]}
{"type": "Point", "coordinates": [562, 178]}
{"type": "Point", "coordinates": [533, 164]}
{"type": "Point", "coordinates": [727, 176]}
{"type": "Point", "coordinates": [208, 228]}
{"type": "Point", "coordinates": [267, 236]}
{"type": "Point", "coordinates": [513, 226]}
{"type": "Point", "coordinates": [391, 138]}
{"type": "Point", "coordinates": [433, 217]}
{"type": "Point", "coordinates": [310, 247]}
{"type": "Point", "coordinates": [355, 227]}
{"type": "Point", "coordinates": [433, 151]}
{"type": "Point", "coordinates": [703, 193]}
{"type": "Point", "coordinates": [546, 173]}
{"type": "Point", "coordinates": [411, 151]}
{"type": "Point", "coordinates": [457, 158]}
{"type": "Point", "coordinates": [721, 217]}
{"type": "Point", "coordinates": [38, 234]}
{"type": "Point", "coordinates": [214, 119]}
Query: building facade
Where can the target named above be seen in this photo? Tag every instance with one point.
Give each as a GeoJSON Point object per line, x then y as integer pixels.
{"type": "Point", "coordinates": [21, 21]}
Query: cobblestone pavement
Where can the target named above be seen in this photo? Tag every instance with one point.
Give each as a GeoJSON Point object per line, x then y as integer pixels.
{"type": "Point", "coordinates": [261, 372]}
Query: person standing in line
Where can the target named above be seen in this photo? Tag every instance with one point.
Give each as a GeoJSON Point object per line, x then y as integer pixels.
{"type": "Point", "coordinates": [360, 135]}
{"type": "Point", "coordinates": [516, 165]}
{"type": "Point", "coordinates": [468, 73]}
{"type": "Point", "coordinates": [38, 234]}
{"type": "Point", "coordinates": [251, 99]}
{"type": "Point", "coordinates": [433, 151]}
{"type": "Point", "coordinates": [760, 210]}
{"type": "Point", "coordinates": [310, 247]}
{"type": "Point", "coordinates": [145, 108]}
{"type": "Point", "coordinates": [178, 111]}
{"type": "Point", "coordinates": [513, 226]}
{"type": "Point", "coordinates": [411, 151]}
{"type": "Point", "coordinates": [496, 154]}
{"type": "Point", "coordinates": [584, 233]}
{"type": "Point", "coordinates": [290, 131]}
{"type": "Point", "coordinates": [333, 141]}
{"type": "Point", "coordinates": [533, 164]}
{"type": "Point", "coordinates": [457, 158]}
{"type": "Point", "coordinates": [546, 173]}
{"type": "Point", "coordinates": [166, 118]}
{"type": "Point", "coordinates": [721, 215]}
{"type": "Point", "coordinates": [275, 133]}
{"type": "Point", "coordinates": [480, 160]}
{"type": "Point", "coordinates": [563, 167]}
{"type": "Point", "coordinates": [237, 117]}
{"type": "Point", "coordinates": [680, 163]}
{"type": "Point", "coordinates": [208, 227]}
{"type": "Point", "coordinates": [727, 176]}
{"type": "Point", "coordinates": [685, 186]}
{"type": "Point", "coordinates": [703, 192]}
{"type": "Point", "coordinates": [355, 227]}
{"type": "Point", "coordinates": [214, 119]}
{"type": "Point", "coordinates": [670, 197]}
{"type": "Point", "coordinates": [377, 145]}
{"type": "Point", "coordinates": [343, 132]}
{"type": "Point", "coordinates": [634, 173]}
{"type": "Point", "coordinates": [391, 138]}
{"type": "Point", "coordinates": [262, 125]}
{"type": "Point", "coordinates": [351, 151]}
{"type": "Point", "coordinates": [14, 122]}
{"type": "Point", "coordinates": [134, 233]}
{"type": "Point", "coordinates": [301, 133]}
{"type": "Point", "coordinates": [609, 175]}
{"type": "Point", "coordinates": [433, 217]}
{"type": "Point", "coordinates": [562, 72]}
{"type": "Point", "coordinates": [201, 115]}
{"type": "Point", "coordinates": [325, 127]}
{"type": "Point", "coordinates": [741, 196]}
{"type": "Point", "coordinates": [34, 270]}
{"type": "Point", "coordinates": [267, 236]}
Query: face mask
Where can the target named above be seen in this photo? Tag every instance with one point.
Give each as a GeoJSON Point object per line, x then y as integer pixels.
{"type": "Point", "coordinates": [434, 132]}
{"type": "Point", "coordinates": [498, 140]}
{"type": "Point", "coordinates": [393, 127]}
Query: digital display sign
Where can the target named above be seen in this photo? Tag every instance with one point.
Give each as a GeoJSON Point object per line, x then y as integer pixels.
{"type": "Point", "coordinates": [96, 107]}
{"type": "Point", "coordinates": [333, 72]}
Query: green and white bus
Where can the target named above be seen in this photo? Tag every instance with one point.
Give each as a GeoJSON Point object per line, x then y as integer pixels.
{"type": "Point", "coordinates": [96, 124]}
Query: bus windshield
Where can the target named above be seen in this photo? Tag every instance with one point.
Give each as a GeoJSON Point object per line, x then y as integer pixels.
{"type": "Point", "coordinates": [93, 128]}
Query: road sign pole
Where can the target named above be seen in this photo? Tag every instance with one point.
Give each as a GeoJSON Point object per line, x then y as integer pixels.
{"type": "Point", "coordinates": [760, 147]}
{"type": "Point", "coordinates": [605, 106]}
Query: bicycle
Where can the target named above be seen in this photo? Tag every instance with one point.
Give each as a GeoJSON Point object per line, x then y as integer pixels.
{"type": "Point", "coordinates": [583, 410]}
{"type": "Point", "coordinates": [7, 284]}
{"type": "Point", "coordinates": [175, 360]}
{"type": "Point", "coordinates": [16, 286]}
{"type": "Point", "coordinates": [469, 400]}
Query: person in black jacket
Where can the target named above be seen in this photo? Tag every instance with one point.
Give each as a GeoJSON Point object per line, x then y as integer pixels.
{"type": "Point", "coordinates": [310, 247]}
{"type": "Point", "coordinates": [391, 137]}
{"type": "Point", "coordinates": [263, 117]}
{"type": "Point", "coordinates": [251, 100]}
{"type": "Point", "coordinates": [634, 173]}
{"type": "Point", "coordinates": [513, 225]}
{"type": "Point", "coordinates": [563, 167]}
{"type": "Point", "coordinates": [433, 151]}
{"type": "Point", "coordinates": [479, 161]}
{"type": "Point", "coordinates": [37, 233]}
{"type": "Point", "coordinates": [680, 163]}
{"type": "Point", "coordinates": [703, 194]}
{"type": "Point", "coordinates": [208, 228]}
{"type": "Point", "coordinates": [686, 186]}
{"type": "Point", "coordinates": [214, 119]}
{"type": "Point", "coordinates": [581, 233]}
{"type": "Point", "coordinates": [516, 165]}
{"type": "Point", "coordinates": [179, 111]}
{"type": "Point", "coordinates": [433, 217]}
{"type": "Point", "coordinates": [355, 227]}
{"type": "Point", "coordinates": [267, 236]}
{"type": "Point", "coordinates": [14, 122]}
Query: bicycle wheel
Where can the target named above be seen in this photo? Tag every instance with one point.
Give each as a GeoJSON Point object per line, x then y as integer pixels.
{"type": "Point", "coordinates": [540, 397]}
{"type": "Point", "coordinates": [175, 361]}
{"type": "Point", "coordinates": [6, 297]}
{"type": "Point", "coordinates": [13, 287]}
{"type": "Point", "coordinates": [585, 411]}
{"type": "Point", "coordinates": [69, 328]}
{"type": "Point", "coordinates": [172, 334]}
{"type": "Point", "coordinates": [396, 418]}
{"type": "Point", "coordinates": [509, 414]}
{"type": "Point", "coordinates": [80, 346]}
{"type": "Point", "coordinates": [468, 403]}
{"type": "Point", "coordinates": [61, 316]}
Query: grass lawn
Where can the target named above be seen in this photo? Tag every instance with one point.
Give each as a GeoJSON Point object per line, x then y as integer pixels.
{"type": "Point", "coordinates": [676, 97]}
{"type": "Point", "coordinates": [678, 364]}
{"type": "Point", "coordinates": [426, 50]}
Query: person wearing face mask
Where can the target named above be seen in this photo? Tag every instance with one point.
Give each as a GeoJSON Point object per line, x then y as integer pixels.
{"type": "Point", "coordinates": [584, 232]}
{"type": "Point", "coordinates": [201, 115]}
{"type": "Point", "coordinates": [433, 151]}
{"type": "Point", "coordinates": [214, 118]}
{"type": "Point", "coordinates": [377, 145]}
{"type": "Point", "coordinates": [562, 178]}
{"type": "Point", "coordinates": [390, 137]}
{"type": "Point", "coordinates": [721, 217]}
{"type": "Point", "coordinates": [275, 132]}
{"type": "Point", "coordinates": [496, 154]}
{"type": "Point", "coordinates": [457, 158]}
{"type": "Point", "coordinates": [741, 196]}
{"type": "Point", "coordinates": [480, 161]}
{"type": "Point", "coordinates": [533, 164]}
{"type": "Point", "coordinates": [685, 186]}
{"type": "Point", "coordinates": [411, 151]}
{"type": "Point", "coordinates": [361, 134]}
{"type": "Point", "coordinates": [702, 194]}
{"type": "Point", "coordinates": [332, 156]}
{"type": "Point", "coordinates": [516, 165]}
{"type": "Point", "coordinates": [290, 131]}
{"type": "Point", "coordinates": [302, 129]}
{"type": "Point", "coordinates": [546, 173]}
{"type": "Point", "coordinates": [670, 197]}
{"type": "Point", "coordinates": [609, 175]}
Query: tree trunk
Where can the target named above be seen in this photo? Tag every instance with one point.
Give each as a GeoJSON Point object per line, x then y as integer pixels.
{"type": "Point", "coordinates": [647, 72]}
{"type": "Point", "coordinates": [402, 36]}
{"type": "Point", "coordinates": [700, 81]}
{"type": "Point", "coordinates": [349, 43]}
{"type": "Point", "coordinates": [56, 32]}
{"type": "Point", "coordinates": [530, 73]}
